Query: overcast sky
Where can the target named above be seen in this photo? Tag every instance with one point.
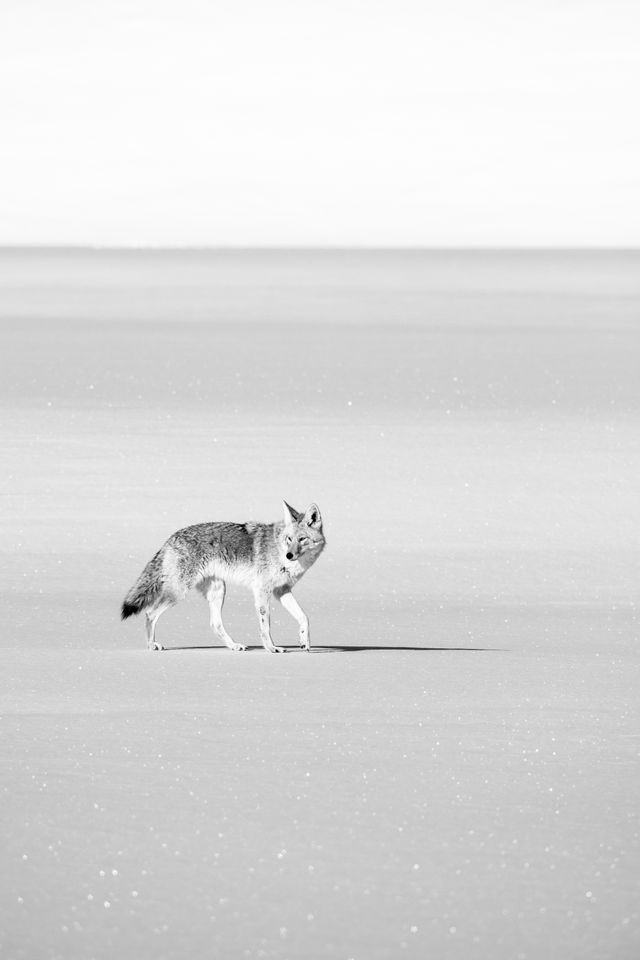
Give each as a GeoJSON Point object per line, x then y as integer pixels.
{"type": "Point", "coordinates": [286, 122]}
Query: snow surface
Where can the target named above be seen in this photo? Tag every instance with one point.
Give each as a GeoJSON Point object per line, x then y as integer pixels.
{"type": "Point", "coordinates": [453, 772]}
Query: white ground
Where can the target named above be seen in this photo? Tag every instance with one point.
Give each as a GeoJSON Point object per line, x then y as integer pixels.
{"type": "Point", "coordinates": [453, 771]}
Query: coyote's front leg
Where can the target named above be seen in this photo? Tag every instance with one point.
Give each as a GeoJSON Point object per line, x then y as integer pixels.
{"type": "Point", "coordinates": [262, 608]}
{"type": "Point", "coordinates": [292, 606]}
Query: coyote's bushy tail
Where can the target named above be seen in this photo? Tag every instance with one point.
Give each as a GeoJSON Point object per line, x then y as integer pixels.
{"type": "Point", "coordinates": [144, 591]}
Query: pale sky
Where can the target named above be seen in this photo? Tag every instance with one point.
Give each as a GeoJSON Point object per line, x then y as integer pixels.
{"type": "Point", "coordinates": [320, 122]}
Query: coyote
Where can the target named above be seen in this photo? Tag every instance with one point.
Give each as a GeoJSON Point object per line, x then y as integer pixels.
{"type": "Point", "coordinates": [269, 558]}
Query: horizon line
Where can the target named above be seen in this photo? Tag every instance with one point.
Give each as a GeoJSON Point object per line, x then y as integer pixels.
{"type": "Point", "coordinates": [314, 248]}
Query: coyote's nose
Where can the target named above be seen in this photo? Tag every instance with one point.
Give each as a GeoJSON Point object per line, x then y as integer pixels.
{"type": "Point", "coordinates": [289, 556]}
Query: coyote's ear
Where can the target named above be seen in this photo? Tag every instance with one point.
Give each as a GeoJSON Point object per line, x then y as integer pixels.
{"type": "Point", "coordinates": [312, 516]}
{"type": "Point", "coordinates": [290, 515]}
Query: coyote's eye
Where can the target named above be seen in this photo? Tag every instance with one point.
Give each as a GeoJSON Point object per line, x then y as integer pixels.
{"type": "Point", "coordinates": [288, 541]}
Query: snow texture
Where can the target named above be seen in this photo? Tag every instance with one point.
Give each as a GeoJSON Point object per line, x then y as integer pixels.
{"type": "Point", "coordinates": [453, 772]}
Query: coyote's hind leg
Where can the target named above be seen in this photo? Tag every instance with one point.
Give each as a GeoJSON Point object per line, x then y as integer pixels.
{"type": "Point", "coordinates": [214, 591]}
{"type": "Point", "coordinates": [153, 614]}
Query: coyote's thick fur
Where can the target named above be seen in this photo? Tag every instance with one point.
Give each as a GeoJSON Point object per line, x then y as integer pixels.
{"type": "Point", "coordinates": [269, 558]}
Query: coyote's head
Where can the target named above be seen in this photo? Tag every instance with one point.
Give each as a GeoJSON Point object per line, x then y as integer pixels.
{"type": "Point", "coordinates": [302, 537]}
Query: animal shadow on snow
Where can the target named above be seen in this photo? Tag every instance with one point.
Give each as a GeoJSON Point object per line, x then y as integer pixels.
{"type": "Point", "coordinates": [353, 648]}
{"type": "Point", "coordinates": [356, 648]}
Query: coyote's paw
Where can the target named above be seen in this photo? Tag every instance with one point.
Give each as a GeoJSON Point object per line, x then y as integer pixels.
{"type": "Point", "coordinates": [237, 648]}
{"type": "Point", "coordinates": [155, 646]}
{"type": "Point", "coordinates": [275, 649]}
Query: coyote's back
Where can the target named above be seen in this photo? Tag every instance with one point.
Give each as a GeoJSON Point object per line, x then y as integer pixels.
{"type": "Point", "coordinates": [269, 558]}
